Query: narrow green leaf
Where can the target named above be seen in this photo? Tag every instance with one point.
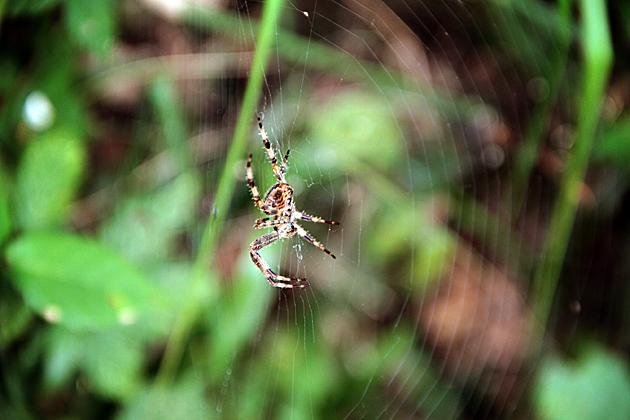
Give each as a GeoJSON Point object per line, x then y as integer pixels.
{"type": "Point", "coordinates": [5, 214]}
{"type": "Point", "coordinates": [78, 282]}
{"type": "Point", "coordinates": [47, 179]}
{"type": "Point", "coordinates": [92, 24]}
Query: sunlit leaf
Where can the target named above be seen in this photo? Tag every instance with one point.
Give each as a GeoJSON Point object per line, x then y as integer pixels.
{"type": "Point", "coordinates": [358, 126]}
{"type": "Point", "coordinates": [92, 24]}
{"type": "Point", "coordinates": [434, 253]}
{"type": "Point", "coordinates": [79, 283]}
{"type": "Point", "coordinates": [597, 386]}
{"type": "Point", "coordinates": [47, 179]}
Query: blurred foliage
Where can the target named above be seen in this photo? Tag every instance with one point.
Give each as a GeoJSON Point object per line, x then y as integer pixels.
{"type": "Point", "coordinates": [47, 179]}
{"type": "Point", "coordinates": [78, 282]}
{"type": "Point", "coordinates": [121, 154]}
{"type": "Point", "coordinates": [614, 146]}
{"type": "Point", "coordinates": [596, 386]}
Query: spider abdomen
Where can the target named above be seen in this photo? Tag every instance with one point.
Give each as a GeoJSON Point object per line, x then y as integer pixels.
{"type": "Point", "coordinates": [279, 197]}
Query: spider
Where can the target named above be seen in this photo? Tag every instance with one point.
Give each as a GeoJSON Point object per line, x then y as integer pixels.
{"type": "Point", "coordinates": [278, 203]}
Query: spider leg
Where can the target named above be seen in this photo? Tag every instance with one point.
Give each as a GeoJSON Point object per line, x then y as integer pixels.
{"type": "Point", "coordinates": [311, 239]}
{"type": "Point", "coordinates": [274, 279]}
{"type": "Point", "coordinates": [271, 153]}
{"type": "Point", "coordinates": [251, 184]}
{"type": "Point", "coordinates": [285, 162]}
{"type": "Point", "coordinates": [315, 219]}
{"type": "Point", "coordinates": [267, 222]}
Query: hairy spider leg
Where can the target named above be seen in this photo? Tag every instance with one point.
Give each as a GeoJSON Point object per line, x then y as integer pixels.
{"type": "Point", "coordinates": [315, 219]}
{"type": "Point", "coordinates": [311, 239]}
{"type": "Point", "coordinates": [267, 222]}
{"type": "Point", "coordinates": [285, 163]}
{"type": "Point", "coordinates": [251, 184]}
{"type": "Point", "coordinates": [274, 279]}
{"type": "Point", "coordinates": [271, 153]}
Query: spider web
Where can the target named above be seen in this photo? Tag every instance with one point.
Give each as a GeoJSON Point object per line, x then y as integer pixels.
{"type": "Point", "coordinates": [419, 371]}
{"type": "Point", "coordinates": [424, 312]}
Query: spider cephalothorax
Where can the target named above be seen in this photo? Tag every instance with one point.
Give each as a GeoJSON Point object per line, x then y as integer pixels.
{"type": "Point", "coordinates": [278, 203]}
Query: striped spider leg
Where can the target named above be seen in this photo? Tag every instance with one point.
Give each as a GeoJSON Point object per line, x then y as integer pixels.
{"type": "Point", "coordinates": [278, 204]}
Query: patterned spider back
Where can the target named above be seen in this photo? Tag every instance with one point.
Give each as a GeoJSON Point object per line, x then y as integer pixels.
{"type": "Point", "coordinates": [279, 199]}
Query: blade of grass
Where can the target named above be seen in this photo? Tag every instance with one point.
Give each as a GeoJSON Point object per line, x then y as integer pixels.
{"type": "Point", "coordinates": [597, 56]}
{"type": "Point", "coordinates": [201, 273]}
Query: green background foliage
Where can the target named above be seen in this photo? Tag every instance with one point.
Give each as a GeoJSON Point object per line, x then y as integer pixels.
{"type": "Point", "coordinates": [483, 193]}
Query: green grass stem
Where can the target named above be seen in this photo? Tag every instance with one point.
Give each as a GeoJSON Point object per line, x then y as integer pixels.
{"type": "Point", "coordinates": [597, 56]}
{"type": "Point", "coordinates": [201, 268]}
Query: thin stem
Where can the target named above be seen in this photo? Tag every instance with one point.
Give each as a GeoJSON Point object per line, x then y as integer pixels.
{"type": "Point", "coordinates": [201, 273]}
{"type": "Point", "coordinates": [598, 56]}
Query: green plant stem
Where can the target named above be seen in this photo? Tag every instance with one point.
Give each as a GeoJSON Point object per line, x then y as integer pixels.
{"type": "Point", "coordinates": [201, 273]}
{"type": "Point", "coordinates": [597, 56]}
{"type": "Point", "coordinates": [528, 151]}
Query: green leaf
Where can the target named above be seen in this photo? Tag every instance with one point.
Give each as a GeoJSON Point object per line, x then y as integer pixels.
{"type": "Point", "coordinates": [390, 234]}
{"type": "Point", "coordinates": [78, 282]}
{"type": "Point", "coordinates": [110, 360]}
{"type": "Point", "coordinates": [92, 24]}
{"type": "Point", "coordinates": [358, 126]}
{"type": "Point", "coordinates": [47, 179]}
{"type": "Point", "coordinates": [434, 252]}
{"type": "Point", "coordinates": [185, 400]}
{"type": "Point", "coordinates": [143, 227]}
{"type": "Point", "coordinates": [597, 386]}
